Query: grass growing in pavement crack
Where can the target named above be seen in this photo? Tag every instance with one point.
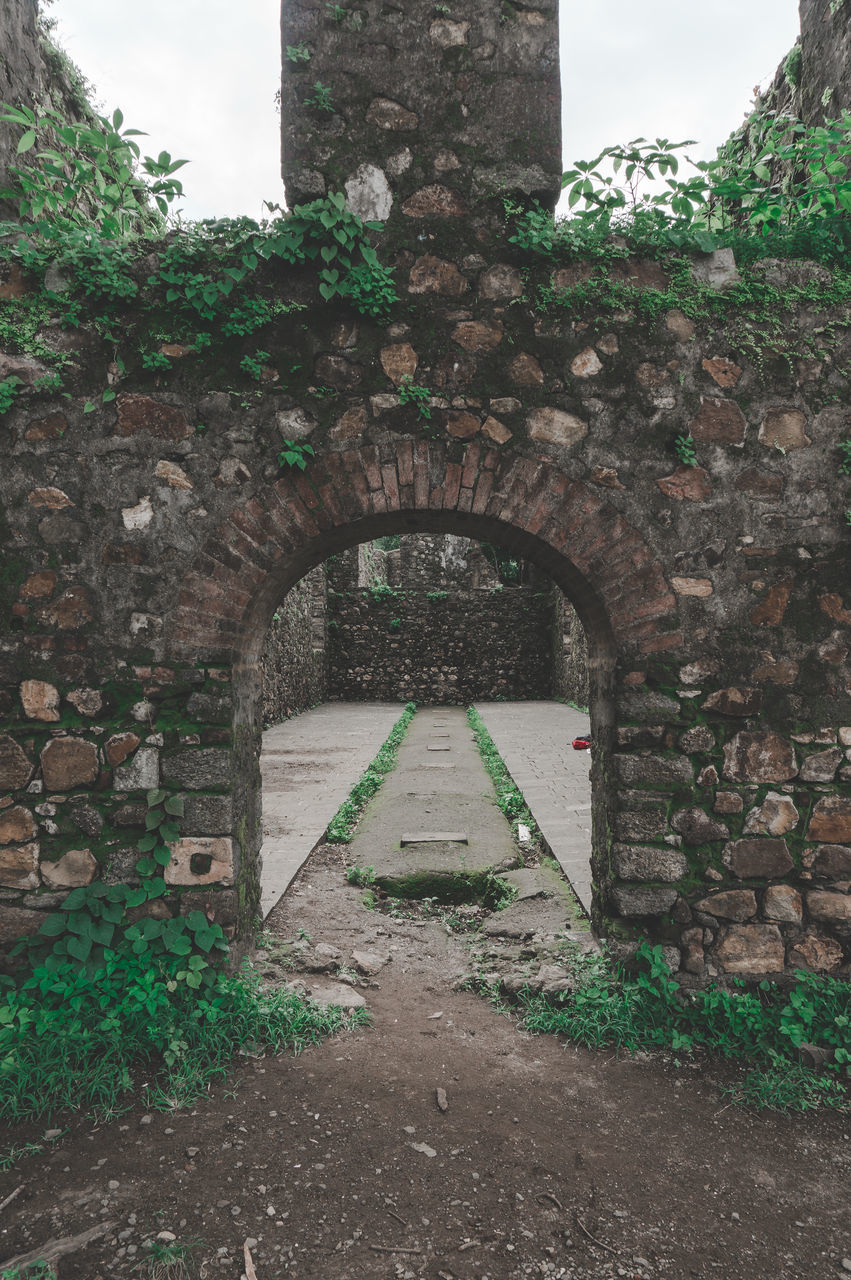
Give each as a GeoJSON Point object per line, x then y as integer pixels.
{"type": "Point", "coordinates": [509, 797]}
{"type": "Point", "coordinates": [342, 825]}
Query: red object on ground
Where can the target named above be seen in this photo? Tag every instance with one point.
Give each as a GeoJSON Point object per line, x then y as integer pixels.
{"type": "Point", "coordinates": [581, 744]}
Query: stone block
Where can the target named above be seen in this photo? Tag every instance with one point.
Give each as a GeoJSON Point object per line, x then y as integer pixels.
{"type": "Point", "coordinates": [500, 281]}
{"type": "Point", "coordinates": [831, 820]}
{"type": "Point", "coordinates": [433, 275]}
{"type": "Point", "coordinates": [16, 768]}
{"type": "Point", "coordinates": [700, 738]}
{"type": "Point", "coordinates": [18, 922]}
{"type": "Point", "coordinates": [40, 700]}
{"type": "Point", "coordinates": [642, 900]}
{"type": "Point", "coordinates": [587, 364]}
{"type": "Point", "coordinates": [219, 905]}
{"type": "Point", "coordinates": [750, 949]}
{"type": "Point", "coordinates": [716, 268]}
{"type": "Point", "coordinates": [142, 773]}
{"type": "Point", "coordinates": [696, 827]}
{"type": "Point", "coordinates": [69, 762]}
{"type": "Point", "coordinates": [729, 904]}
{"type": "Point", "coordinates": [772, 608]}
{"type": "Point", "coordinates": [399, 361]}
{"type": "Point", "coordinates": [17, 825]}
{"type": "Point", "coordinates": [208, 708]}
{"type": "Point", "coordinates": [831, 860]}
{"type": "Point", "coordinates": [822, 766]}
{"type": "Point", "coordinates": [138, 413]}
{"type": "Point", "coordinates": [75, 868]}
{"type": "Point", "coordinates": [783, 903]}
{"type": "Point", "coordinates": [742, 701]}
{"type": "Point", "coordinates": [644, 862]}
{"type": "Point", "coordinates": [816, 953]}
{"type": "Point", "coordinates": [760, 757]}
{"type": "Point", "coordinates": [19, 866]}
{"type": "Point", "coordinates": [784, 429]}
{"type": "Point", "coordinates": [686, 484]}
{"type": "Point", "coordinates": [87, 701]}
{"type": "Point", "coordinates": [206, 815]}
{"type": "Point", "coordinates": [654, 771]}
{"type": "Point", "coordinates": [641, 825]}
{"type": "Point", "coordinates": [554, 426]}
{"type": "Point", "coordinates": [200, 860]}
{"type": "Point", "coordinates": [774, 817]}
{"type": "Point", "coordinates": [758, 858]}
{"type": "Point", "coordinates": [119, 746]}
{"type": "Point", "coordinates": [198, 770]}
{"type": "Point", "coordinates": [478, 335]}
{"type": "Point", "coordinates": [831, 908]}
{"type": "Point", "coordinates": [718, 422]}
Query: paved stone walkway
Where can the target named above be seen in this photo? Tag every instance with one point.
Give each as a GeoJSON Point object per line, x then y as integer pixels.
{"type": "Point", "coordinates": [534, 739]}
{"type": "Point", "coordinates": [309, 765]}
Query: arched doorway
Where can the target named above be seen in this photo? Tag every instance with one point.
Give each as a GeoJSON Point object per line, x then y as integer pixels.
{"type": "Point", "coordinates": [531, 508]}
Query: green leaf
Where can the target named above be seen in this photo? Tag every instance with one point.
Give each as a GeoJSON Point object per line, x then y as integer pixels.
{"type": "Point", "coordinates": [88, 407]}
{"type": "Point", "coordinates": [135, 897]}
{"type": "Point", "coordinates": [175, 805]}
{"type": "Point", "coordinates": [153, 818]}
{"type": "Point", "coordinates": [108, 395]}
{"type": "Point", "coordinates": [148, 842]}
{"type": "Point", "coordinates": [169, 831]}
{"type": "Point", "coordinates": [196, 920]}
{"type": "Point", "coordinates": [79, 948]}
{"type": "Point", "coordinates": [146, 866]}
{"type": "Point", "coordinates": [162, 856]}
{"type": "Point", "coordinates": [155, 797]}
{"type": "Point", "coordinates": [27, 140]}
{"type": "Point", "coordinates": [53, 926]}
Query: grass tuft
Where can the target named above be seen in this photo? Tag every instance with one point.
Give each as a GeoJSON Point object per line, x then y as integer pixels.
{"type": "Point", "coordinates": [342, 825]}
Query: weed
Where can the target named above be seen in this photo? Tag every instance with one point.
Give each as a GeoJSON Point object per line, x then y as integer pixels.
{"type": "Point", "coordinates": [763, 1027]}
{"type": "Point", "coordinates": [685, 450]}
{"type": "Point", "coordinates": [508, 795]}
{"type": "Point", "coordinates": [35, 1271]}
{"type": "Point", "coordinates": [382, 591]}
{"type": "Point", "coordinates": [298, 52]}
{"type": "Point", "coordinates": [436, 595]}
{"type": "Point", "coordinates": [410, 393]}
{"type": "Point", "coordinates": [321, 99]}
{"type": "Point", "coordinates": [844, 447]}
{"type": "Point", "coordinates": [363, 877]}
{"type": "Point", "coordinates": [296, 454]}
{"type": "Point", "coordinates": [10, 1158]}
{"type": "Point", "coordinates": [395, 624]}
{"type": "Point", "coordinates": [253, 365]}
{"type": "Point", "coordinates": [342, 825]}
{"type": "Point", "coordinates": [8, 392]}
{"type": "Point", "coordinates": [336, 12]}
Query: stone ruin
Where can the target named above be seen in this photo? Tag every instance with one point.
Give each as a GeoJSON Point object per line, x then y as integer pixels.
{"type": "Point", "coordinates": [142, 559]}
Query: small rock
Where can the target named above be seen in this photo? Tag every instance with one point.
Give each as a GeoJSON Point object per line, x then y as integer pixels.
{"type": "Point", "coordinates": [424, 1148]}
{"type": "Point", "coordinates": [441, 1099]}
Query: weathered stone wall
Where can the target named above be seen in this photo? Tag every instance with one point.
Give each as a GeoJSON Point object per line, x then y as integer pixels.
{"type": "Point", "coordinates": [293, 662]}
{"type": "Point", "coordinates": [825, 83]}
{"type": "Point", "coordinates": [570, 653]}
{"type": "Point", "coordinates": [20, 74]}
{"type": "Point", "coordinates": [144, 557]}
{"type": "Point", "coordinates": [441, 646]}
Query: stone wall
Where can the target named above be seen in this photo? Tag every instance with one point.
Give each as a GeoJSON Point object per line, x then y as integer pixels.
{"type": "Point", "coordinates": [293, 662]}
{"type": "Point", "coordinates": [570, 653]}
{"type": "Point", "coordinates": [148, 539]}
{"type": "Point", "coordinates": [451, 646]}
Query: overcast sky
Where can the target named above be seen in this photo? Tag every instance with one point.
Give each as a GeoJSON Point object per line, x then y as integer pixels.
{"type": "Point", "coordinates": [200, 77]}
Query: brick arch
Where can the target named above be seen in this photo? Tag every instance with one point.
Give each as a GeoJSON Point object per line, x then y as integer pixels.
{"type": "Point", "coordinates": [530, 506]}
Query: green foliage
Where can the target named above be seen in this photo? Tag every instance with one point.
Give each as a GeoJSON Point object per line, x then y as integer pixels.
{"type": "Point", "coordinates": [508, 795]}
{"type": "Point", "coordinates": [363, 877]}
{"type": "Point", "coordinates": [506, 565]}
{"type": "Point", "coordinates": [395, 624]}
{"type": "Point", "coordinates": [8, 392]}
{"type": "Point", "coordinates": [321, 99]}
{"type": "Point", "coordinates": [72, 1038]}
{"type": "Point", "coordinates": [253, 365]}
{"type": "Point", "coordinates": [685, 450]}
{"type": "Point", "coordinates": [336, 12]}
{"type": "Point", "coordinates": [88, 174]}
{"type": "Point", "coordinates": [342, 825]}
{"type": "Point", "coordinates": [298, 52]}
{"type": "Point", "coordinates": [296, 454]}
{"type": "Point", "coordinates": [844, 447]}
{"type": "Point", "coordinates": [35, 1271]}
{"type": "Point", "coordinates": [436, 595]}
{"type": "Point", "coordinates": [792, 64]}
{"type": "Point", "coordinates": [764, 1027]}
{"type": "Point", "coordinates": [382, 591]}
{"type": "Point", "coordinates": [410, 393]}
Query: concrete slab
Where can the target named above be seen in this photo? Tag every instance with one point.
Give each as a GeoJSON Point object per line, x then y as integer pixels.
{"type": "Point", "coordinates": [429, 837]}
{"type": "Point", "coordinates": [534, 739]}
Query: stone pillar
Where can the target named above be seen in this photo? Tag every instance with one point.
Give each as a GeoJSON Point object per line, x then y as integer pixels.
{"type": "Point", "coordinates": [419, 116]}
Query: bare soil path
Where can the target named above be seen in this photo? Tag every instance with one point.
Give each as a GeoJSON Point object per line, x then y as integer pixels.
{"type": "Point", "coordinates": [536, 1159]}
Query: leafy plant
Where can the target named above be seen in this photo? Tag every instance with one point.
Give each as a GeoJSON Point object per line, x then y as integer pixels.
{"type": "Point", "coordinates": [296, 454]}
{"type": "Point", "coordinates": [88, 174]}
{"type": "Point", "coordinates": [8, 392]}
{"type": "Point", "coordinates": [253, 365]}
{"type": "Point", "coordinates": [436, 595]}
{"type": "Point", "coordinates": [336, 12]}
{"type": "Point", "coordinates": [321, 98]}
{"type": "Point", "coordinates": [169, 1259]}
{"type": "Point", "coordinates": [685, 450]}
{"type": "Point", "coordinates": [410, 393]}
{"type": "Point", "coordinates": [382, 591]}
{"type": "Point", "coordinates": [363, 877]}
{"type": "Point", "coordinates": [395, 624]}
{"type": "Point", "coordinates": [298, 52]}
{"type": "Point", "coordinates": [844, 447]}
{"type": "Point", "coordinates": [342, 825]}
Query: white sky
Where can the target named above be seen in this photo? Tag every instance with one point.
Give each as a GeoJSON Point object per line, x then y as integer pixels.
{"type": "Point", "coordinates": [201, 75]}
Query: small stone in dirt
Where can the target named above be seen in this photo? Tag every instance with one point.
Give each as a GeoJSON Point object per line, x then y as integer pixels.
{"type": "Point", "coordinates": [432, 1016]}
{"type": "Point", "coordinates": [409, 1128]}
{"type": "Point", "coordinates": [192, 1152]}
{"type": "Point", "coordinates": [442, 1100]}
{"type": "Point", "coordinates": [167, 1236]}
{"type": "Point", "coordinates": [424, 1148]}
{"type": "Point", "coordinates": [50, 1134]}
{"type": "Point", "coordinates": [146, 1120]}
{"type": "Point", "coordinates": [370, 962]}
{"type": "Point", "coordinates": [846, 1264]}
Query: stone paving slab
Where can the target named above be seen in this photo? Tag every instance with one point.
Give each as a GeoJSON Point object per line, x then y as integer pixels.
{"type": "Point", "coordinates": [534, 739]}
{"type": "Point", "coordinates": [309, 765]}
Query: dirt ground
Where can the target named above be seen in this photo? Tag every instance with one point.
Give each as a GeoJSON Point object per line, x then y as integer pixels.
{"type": "Point", "coordinates": [547, 1161]}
